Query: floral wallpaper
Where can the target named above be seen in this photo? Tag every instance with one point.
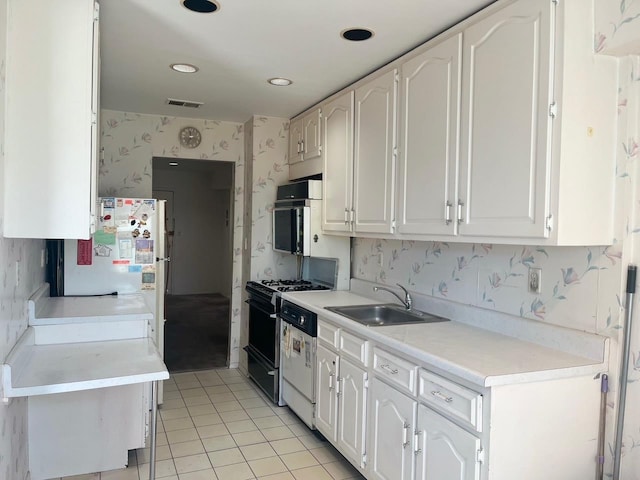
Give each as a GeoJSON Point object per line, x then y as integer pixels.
{"type": "Point", "coordinates": [617, 24]}
{"type": "Point", "coordinates": [131, 140]}
{"type": "Point", "coordinates": [14, 460]}
{"type": "Point", "coordinates": [582, 287]}
{"type": "Point", "coordinates": [270, 169]}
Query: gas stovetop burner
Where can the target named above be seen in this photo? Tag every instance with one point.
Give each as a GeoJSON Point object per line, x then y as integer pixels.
{"type": "Point", "coordinates": [287, 285]}
{"type": "Point", "coordinates": [283, 283]}
{"type": "Point", "coordinates": [301, 287]}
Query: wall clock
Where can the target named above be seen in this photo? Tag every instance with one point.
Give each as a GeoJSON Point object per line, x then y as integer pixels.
{"type": "Point", "coordinates": [190, 137]}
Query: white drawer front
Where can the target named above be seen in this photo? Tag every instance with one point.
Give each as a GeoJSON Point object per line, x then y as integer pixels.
{"type": "Point", "coordinates": [452, 399]}
{"type": "Point", "coordinates": [353, 347]}
{"type": "Point", "coordinates": [328, 333]}
{"type": "Point", "coordinates": [398, 371]}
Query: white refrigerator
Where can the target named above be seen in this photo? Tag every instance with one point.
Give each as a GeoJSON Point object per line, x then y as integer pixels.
{"type": "Point", "coordinates": [125, 256]}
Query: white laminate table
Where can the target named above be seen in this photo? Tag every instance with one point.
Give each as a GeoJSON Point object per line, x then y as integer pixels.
{"type": "Point", "coordinates": [34, 369]}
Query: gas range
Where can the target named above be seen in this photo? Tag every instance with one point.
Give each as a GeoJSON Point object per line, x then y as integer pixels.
{"type": "Point", "coordinates": [271, 288]}
{"type": "Point", "coordinates": [293, 285]}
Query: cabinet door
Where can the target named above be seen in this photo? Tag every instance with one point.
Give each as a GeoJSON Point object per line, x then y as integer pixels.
{"type": "Point", "coordinates": [326, 398]}
{"type": "Point", "coordinates": [374, 156]}
{"type": "Point", "coordinates": [429, 125]}
{"type": "Point", "coordinates": [338, 163]}
{"type": "Point", "coordinates": [50, 97]}
{"type": "Point", "coordinates": [295, 141]}
{"type": "Point", "coordinates": [352, 403]}
{"type": "Point", "coordinates": [506, 124]}
{"type": "Point", "coordinates": [311, 135]}
{"type": "Point", "coordinates": [390, 428]}
{"type": "Point", "coordinates": [445, 451]}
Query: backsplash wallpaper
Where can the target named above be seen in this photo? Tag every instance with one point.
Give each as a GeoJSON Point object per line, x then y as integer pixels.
{"type": "Point", "coordinates": [14, 292]}
{"type": "Point", "coordinates": [617, 23]}
{"type": "Point", "coordinates": [131, 140]}
{"type": "Point", "coordinates": [582, 287]}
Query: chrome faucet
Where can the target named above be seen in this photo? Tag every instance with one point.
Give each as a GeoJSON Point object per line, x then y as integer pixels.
{"type": "Point", "coordinates": [407, 302]}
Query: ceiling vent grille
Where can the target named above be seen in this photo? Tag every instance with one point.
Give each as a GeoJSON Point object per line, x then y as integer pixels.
{"type": "Point", "coordinates": [183, 103]}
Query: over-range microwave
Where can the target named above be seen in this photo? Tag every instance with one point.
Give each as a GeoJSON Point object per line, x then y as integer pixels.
{"type": "Point", "coordinates": [296, 217]}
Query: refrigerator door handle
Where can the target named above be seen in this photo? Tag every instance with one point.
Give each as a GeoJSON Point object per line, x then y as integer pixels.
{"type": "Point", "coordinates": [163, 259]}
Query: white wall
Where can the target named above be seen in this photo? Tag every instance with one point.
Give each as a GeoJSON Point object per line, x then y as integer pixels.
{"type": "Point", "coordinates": [200, 249]}
{"type": "Point", "coordinates": [23, 255]}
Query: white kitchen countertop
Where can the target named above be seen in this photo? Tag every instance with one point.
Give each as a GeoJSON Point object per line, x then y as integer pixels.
{"type": "Point", "coordinates": [45, 310]}
{"type": "Point", "coordinates": [32, 369]}
{"type": "Point", "coordinates": [483, 357]}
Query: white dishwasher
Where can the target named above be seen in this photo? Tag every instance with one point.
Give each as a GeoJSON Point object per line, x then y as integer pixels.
{"type": "Point", "coordinates": [298, 360]}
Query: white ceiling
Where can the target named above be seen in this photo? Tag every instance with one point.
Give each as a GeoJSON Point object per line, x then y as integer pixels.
{"type": "Point", "coordinates": [246, 42]}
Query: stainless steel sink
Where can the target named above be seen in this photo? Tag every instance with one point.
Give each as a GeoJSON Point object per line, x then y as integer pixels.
{"type": "Point", "coordinates": [379, 315]}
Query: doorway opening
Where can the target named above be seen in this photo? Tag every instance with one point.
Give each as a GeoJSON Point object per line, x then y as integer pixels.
{"type": "Point", "coordinates": [199, 243]}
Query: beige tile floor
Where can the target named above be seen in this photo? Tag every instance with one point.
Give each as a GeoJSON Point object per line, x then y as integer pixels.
{"type": "Point", "coordinates": [216, 425]}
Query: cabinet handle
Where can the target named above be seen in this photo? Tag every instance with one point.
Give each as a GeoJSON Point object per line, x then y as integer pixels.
{"type": "Point", "coordinates": [352, 216]}
{"type": "Point", "coordinates": [416, 442]}
{"type": "Point", "coordinates": [337, 386]}
{"type": "Point", "coordinates": [346, 216]}
{"type": "Point", "coordinates": [387, 368]}
{"type": "Point", "coordinates": [460, 205]}
{"type": "Point", "coordinates": [405, 435]}
{"type": "Point", "coordinates": [302, 147]}
{"type": "Point", "coordinates": [438, 394]}
{"type": "Point", "coordinates": [331, 381]}
{"type": "Point", "coordinates": [447, 212]}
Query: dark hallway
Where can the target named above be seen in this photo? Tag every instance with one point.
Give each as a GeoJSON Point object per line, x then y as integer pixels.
{"type": "Point", "coordinates": [196, 332]}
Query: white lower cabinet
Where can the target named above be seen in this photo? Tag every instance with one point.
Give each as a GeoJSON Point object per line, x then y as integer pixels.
{"type": "Point", "coordinates": [352, 404]}
{"type": "Point", "coordinates": [326, 398]}
{"type": "Point", "coordinates": [341, 404]}
{"type": "Point", "coordinates": [444, 451]}
{"type": "Point", "coordinates": [392, 418]}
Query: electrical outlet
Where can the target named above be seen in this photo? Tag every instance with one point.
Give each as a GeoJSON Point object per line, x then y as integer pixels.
{"type": "Point", "coordinates": [535, 279]}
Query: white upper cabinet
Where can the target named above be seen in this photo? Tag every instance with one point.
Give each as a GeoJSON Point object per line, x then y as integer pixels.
{"type": "Point", "coordinates": [305, 145]}
{"type": "Point", "coordinates": [538, 127]}
{"type": "Point", "coordinates": [51, 132]}
{"type": "Point", "coordinates": [375, 152]}
{"type": "Point", "coordinates": [311, 135]}
{"type": "Point", "coordinates": [337, 196]}
{"type": "Point", "coordinates": [507, 134]}
{"type": "Point", "coordinates": [429, 119]}
{"type": "Point", "coordinates": [295, 141]}
{"type": "Point", "coordinates": [506, 122]}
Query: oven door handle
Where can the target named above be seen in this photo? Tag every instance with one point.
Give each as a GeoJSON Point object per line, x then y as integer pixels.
{"type": "Point", "coordinates": [261, 308]}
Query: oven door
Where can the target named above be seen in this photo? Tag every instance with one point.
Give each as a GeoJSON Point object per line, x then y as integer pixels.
{"type": "Point", "coordinates": [264, 330]}
{"type": "Point", "coordinates": [263, 374]}
{"type": "Point", "coordinates": [291, 230]}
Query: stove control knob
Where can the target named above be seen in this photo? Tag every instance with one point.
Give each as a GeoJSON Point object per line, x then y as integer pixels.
{"type": "Point", "coordinates": [302, 319]}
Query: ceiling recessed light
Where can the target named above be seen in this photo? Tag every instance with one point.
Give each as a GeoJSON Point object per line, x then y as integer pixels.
{"type": "Point", "coordinates": [200, 6]}
{"type": "Point", "coordinates": [356, 34]}
{"type": "Point", "coordinates": [173, 164]}
{"type": "Point", "coordinates": [184, 67]}
{"type": "Point", "coordinates": [280, 82]}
